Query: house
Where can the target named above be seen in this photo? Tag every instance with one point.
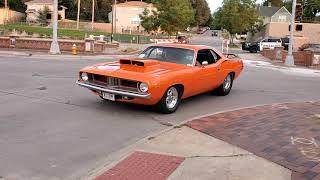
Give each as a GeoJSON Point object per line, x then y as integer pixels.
{"type": "Point", "coordinates": [277, 24]}
{"type": "Point", "coordinates": [270, 14]}
{"type": "Point", "coordinates": [34, 6]}
{"type": "Point", "coordinates": [127, 16]}
{"type": "Point", "coordinates": [8, 15]}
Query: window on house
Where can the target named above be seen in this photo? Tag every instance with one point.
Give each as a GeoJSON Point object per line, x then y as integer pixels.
{"type": "Point", "coordinates": [299, 27]}
{"type": "Point", "coordinates": [48, 16]}
{"type": "Point", "coordinates": [282, 18]}
{"type": "Point", "coordinates": [135, 22]}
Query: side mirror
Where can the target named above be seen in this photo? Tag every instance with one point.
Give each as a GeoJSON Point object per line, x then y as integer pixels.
{"type": "Point", "coordinates": [204, 63]}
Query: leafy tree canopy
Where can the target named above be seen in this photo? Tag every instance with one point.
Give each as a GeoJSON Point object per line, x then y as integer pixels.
{"type": "Point", "coordinates": [171, 16]}
{"type": "Point", "coordinates": [202, 12]}
{"type": "Point", "coordinates": [238, 16]}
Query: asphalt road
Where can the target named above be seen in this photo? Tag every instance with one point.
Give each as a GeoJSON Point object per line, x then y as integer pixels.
{"type": "Point", "coordinates": [51, 128]}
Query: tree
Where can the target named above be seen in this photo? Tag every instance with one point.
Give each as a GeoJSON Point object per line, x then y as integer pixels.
{"type": "Point", "coordinates": [274, 3]}
{"type": "Point", "coordinates": [42, 15]}
{"type": "Point", "coordinates": [311, 9]}
{"type": "Point", "coordinates": [171, 16]}
{"type": "Point", "coordinates": [149, 20]}
{"type": "Point", "coordinates": [238, 16]}
{"type": "Point", "coordinates": [210, 22]}
{"type": "Point", "coordinates": [216, 21]}
{"type": "Point", "coordinates": [202, 12]}
{"type": "Point", "coordinates": [17, 5]}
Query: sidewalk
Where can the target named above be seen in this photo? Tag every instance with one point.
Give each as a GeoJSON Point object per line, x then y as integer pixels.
{"type": "Point", "coordinates": [257, 60]}
{"type": "Point", "coordinates": [276, 142]}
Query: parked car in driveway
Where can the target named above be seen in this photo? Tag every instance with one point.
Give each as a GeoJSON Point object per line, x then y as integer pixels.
{"type": "Point", "coordinates": [315, 47]}
{"type": "Point", "coordinates": [163, 75]}
{"type": "Point", "coordinates": [183, 39]}
{"type": "Point", "coordinates": [254, 47]}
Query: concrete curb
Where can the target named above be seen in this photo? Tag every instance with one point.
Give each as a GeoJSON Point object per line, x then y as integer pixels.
{"type": "Point", "coordinates": [120, 155]}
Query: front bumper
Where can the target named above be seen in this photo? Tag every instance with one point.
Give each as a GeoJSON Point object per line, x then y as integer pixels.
{"type": "Point", "coordinates": [113, 91]}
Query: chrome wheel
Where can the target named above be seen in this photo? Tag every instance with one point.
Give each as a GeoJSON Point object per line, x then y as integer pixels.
{"type": "Point", "coordinates": [172, 98]}
{"type": "Point", "coordinates": [227, 82]}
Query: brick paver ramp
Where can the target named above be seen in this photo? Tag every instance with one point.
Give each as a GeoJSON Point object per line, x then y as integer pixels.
{"type": "Point", "coordinates": [287, 134]}
{"type": "Point", "coordinates": [143, 166]}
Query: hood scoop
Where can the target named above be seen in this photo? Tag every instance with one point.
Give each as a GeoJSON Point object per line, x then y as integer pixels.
{"type": "Point", "coordinates": [138, 62]}
{"type": "Point", "coordinates": [131, 62]}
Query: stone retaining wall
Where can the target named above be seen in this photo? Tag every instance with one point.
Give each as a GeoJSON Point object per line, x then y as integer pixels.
{"type": "Point", "coordinates": [302, 58]}
{"type": "Point", "coordinates": [45, 44]}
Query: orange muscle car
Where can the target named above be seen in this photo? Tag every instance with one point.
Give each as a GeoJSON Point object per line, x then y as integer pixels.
{"type": "Point", "coordinates": [162, 75]}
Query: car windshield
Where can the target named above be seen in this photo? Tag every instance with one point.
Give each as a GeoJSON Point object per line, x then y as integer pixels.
{"type": "Point", "coordinates": [169, 54]}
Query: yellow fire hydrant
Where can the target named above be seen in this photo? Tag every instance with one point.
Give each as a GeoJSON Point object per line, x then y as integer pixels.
{"type": "Point", "coordinates": [74, 49]}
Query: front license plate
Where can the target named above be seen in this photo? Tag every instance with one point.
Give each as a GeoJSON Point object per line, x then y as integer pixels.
{"type": "Point", "coordinates": [108, 96]}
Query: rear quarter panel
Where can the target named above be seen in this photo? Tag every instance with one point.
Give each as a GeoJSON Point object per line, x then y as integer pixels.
{"type": "Point", "coordinates": [234, 65]}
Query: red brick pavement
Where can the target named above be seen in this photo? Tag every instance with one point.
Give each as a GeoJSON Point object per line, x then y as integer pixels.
{"type": "Point", "coordinates": [143, 166]}
{"type": "Point", "coordinates": [287, 134]}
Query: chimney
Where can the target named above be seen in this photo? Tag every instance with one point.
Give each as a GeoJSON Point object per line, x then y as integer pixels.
{"type": "Point", "coordinates": [269, 4]}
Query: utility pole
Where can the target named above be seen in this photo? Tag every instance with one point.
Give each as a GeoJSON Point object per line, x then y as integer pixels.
{"type": "Point", "coordinates": [55, 49]}
{"type": "Point", "coordinates": [113, 19]}
{"type": "Point", "coordinates": [78, 15]}
{"type": "Point", "coordinates": [92, 23]}
{"type": "Point", "coordinates": [6, 11]}
{"type": "Point", "coordinates": [115, 16]}
{"type": "Point", "coordinates": [290, 59]}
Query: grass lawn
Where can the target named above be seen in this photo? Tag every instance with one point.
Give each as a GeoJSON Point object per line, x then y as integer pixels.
{"type": "Point", "coordinates": [233, 46]}
{"type": "Point", "coordinates": [72, 34]}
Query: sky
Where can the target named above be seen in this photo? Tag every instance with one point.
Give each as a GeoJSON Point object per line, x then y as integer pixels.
{"type": "Point", "coordinates": [214, 4]}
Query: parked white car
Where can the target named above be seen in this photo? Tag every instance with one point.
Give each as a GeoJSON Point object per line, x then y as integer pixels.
{"type": "Point", "coordinates": [270, 43]}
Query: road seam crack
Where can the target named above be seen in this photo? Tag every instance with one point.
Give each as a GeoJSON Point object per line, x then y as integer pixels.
{"type": "Point", "coordinates": [223, 156]}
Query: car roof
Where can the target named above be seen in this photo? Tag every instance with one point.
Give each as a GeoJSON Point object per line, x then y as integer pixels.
{"type": "Point", "coordinates": [185, 46]}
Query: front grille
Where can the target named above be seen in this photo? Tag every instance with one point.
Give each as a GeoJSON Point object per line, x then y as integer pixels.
{"type": "Point", "coordinates": [114, 83]}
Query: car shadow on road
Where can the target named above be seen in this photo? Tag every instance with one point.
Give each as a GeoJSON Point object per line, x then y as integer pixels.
{"type": "Point", "coordinates": [128, 107]}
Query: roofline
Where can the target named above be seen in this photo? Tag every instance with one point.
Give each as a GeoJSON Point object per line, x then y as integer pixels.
{"type": "Point", "coordinates": [280, 9]}
{"type": "Point", "coordinates": [37, 2]}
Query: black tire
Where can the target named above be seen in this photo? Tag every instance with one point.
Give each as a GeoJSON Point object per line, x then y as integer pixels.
{"type": "Point", "coordinates": [223, 89]}
{"type": "Point", "coordinates": [243, 46]}
{"type": "Point", "coordinates": [163, 106]}
{"type": "Point", "coordinates": [253, 49]}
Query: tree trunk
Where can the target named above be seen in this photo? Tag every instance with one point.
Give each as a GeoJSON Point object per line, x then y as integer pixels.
{"type": "Point", "coordinates": [232, 36]}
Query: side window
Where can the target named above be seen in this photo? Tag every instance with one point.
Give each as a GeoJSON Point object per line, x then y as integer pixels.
{"type": "Point", "coordinates": [299, 27]}
{"type": "Point", "coordinates": [207, 55]}
{"type": "Point", "coordinates": [215, 56]}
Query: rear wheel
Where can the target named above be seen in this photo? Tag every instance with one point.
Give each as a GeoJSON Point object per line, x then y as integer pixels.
{"type": "Point", "coordinates": [253, 49]}
{"type": "Point", "coordinates": [170, 101]}
{"type": "Point", "coordinates": [225, 88]}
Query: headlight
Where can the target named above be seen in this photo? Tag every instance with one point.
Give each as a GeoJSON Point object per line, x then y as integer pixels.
{"type": "Point", "coordinates": [143, 87]}
{"type": "Point", "coordinates": [84, 76]}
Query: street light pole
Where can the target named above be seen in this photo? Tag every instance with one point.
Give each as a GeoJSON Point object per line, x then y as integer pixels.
{"type": "Point", "coordinates": [55, 49]}
{"type": "Point", "coordinates": [92, 24]}
{"type": "Point", "coordinates": [290, 59]}
{"type": "Point", "coordinates": [78, 15]}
